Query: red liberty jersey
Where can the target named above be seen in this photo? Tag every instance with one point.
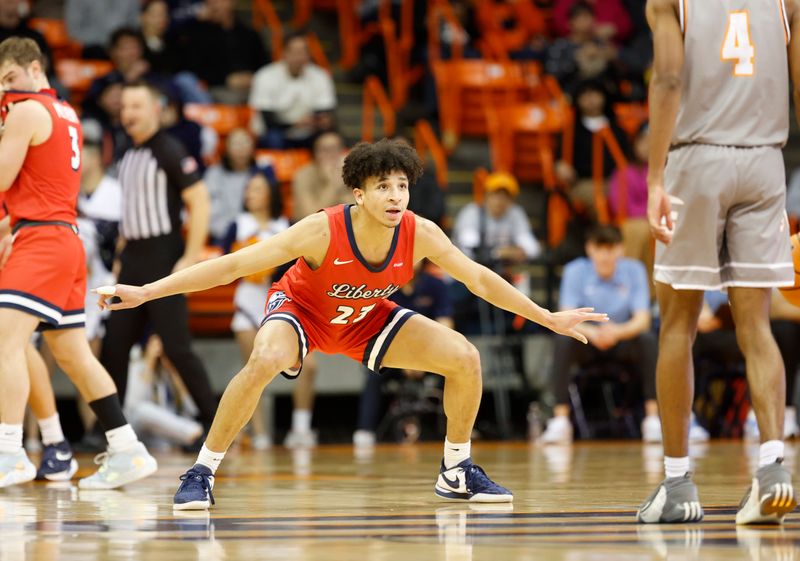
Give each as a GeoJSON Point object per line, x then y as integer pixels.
{"type": "Point", "coordinates": [345, 288]}
{"type": "Point", "coordinates": [48, 183]}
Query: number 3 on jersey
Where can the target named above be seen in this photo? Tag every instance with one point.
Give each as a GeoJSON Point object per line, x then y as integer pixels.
{"type": "Point", "coordinates": [737, 46]}
{"type": "Point", "coordinates": [346, 311]}
{"type": "Point", "coordinates": [75, 161]}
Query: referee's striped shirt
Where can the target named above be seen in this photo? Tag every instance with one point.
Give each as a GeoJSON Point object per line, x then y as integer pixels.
{"type": "Point", "coordinates": [152, 176]}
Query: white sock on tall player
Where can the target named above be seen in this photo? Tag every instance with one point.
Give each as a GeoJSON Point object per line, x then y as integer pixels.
{"type": "Point", "coordinates": [455, 453]}
{"type": "Point", "coordinates": [676, 467]}
{"type": "Point", "coordinates": [770, 452]}
{"type": "Point", "coordinates": [210, 459]}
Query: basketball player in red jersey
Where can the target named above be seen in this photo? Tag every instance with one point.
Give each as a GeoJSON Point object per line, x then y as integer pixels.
{"type": "Point", "coordinates": [43, 282]}
{"type": "Point", "coordinates": [349, 259]}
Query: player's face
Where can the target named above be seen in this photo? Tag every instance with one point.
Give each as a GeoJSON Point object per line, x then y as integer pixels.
{"type": "Point", "coordinates": [139, 111]}
{"type": "Point", "coordinates": [15, 77]}
{"type": "Point", "coordinates": [385, 197]}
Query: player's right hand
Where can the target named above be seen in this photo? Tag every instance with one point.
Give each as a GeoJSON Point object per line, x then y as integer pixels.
{"type": "Point", "coordinates": [659, 213]}
{"type": "Point", "coordinates": [5, 250]}
{"type": "Point", "coordinates": [125, 296]}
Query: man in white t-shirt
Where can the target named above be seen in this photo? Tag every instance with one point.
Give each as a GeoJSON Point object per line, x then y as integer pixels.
{"type": "Point", "coordinates": [294, 97]}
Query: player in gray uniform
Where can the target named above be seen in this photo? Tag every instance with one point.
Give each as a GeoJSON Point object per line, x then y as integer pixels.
{"type": "Point", "coordinates": [719, 108]}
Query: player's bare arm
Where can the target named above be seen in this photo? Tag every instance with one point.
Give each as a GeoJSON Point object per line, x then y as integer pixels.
{"type": "Point", "coordinates": [665, 99]}
{"type": "Point", "coordinates": [28, 123]}
{"type": "Point", "coordinates": [195, 197]}
{"type": "Point", "coordinates": [432, 243]}
{"type": "Point", "coordinates": [793, 14]}
{"type": "Point", "coordinates": [308, 238]}
{"type": "Point", "coordinates": [5, 240]}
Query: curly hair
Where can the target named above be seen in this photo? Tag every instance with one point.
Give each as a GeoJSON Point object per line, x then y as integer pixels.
{"type": "Point", "coordinates": [385, 156]}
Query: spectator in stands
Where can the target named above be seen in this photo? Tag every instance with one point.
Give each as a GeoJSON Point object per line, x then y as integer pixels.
{"type": "Point", "coordinates": [606, 281]}
{"type": "Point", "coordinates": [261, 219]}
{"type": "Point", "coordinates": [126, 50]}
{"type": "Point", "coordinates": [222, 51]}
{"type": "Point", "coordinates": [518, 27]}
{"type": "Point", "coordinates": [226, 182]}
{"type": "Point", "coordinates": [497, 231]}
{"type": "Point", "coordinates": [593, 113]}
{"type": "Point", "coordinates": [93, 22]}
{"type": "Point", "coordinates": [613, 21]}
{"type": "Point", "coordinates": [200, 141]}
{"type": "Point", "coordinates": [154, 22]}
{"type": "Point", "coordinates": [635, 228]}
{"type": "Point", "coordinates": [428, 295]}
{"type": "Point", "coordinates": [319, 184]}
{"type": "Point", "coordinates": [295, 98]}
{"type": "Point", "coordinates": [13, 23]}
{"type": "Point", "coordinates": [106, 111]}
{"type": "Point", "coordinates": [562, 55]}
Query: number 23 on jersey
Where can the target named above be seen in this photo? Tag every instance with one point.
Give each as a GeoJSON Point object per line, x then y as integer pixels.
{"type": "Point", "coordinates": [737, 46]}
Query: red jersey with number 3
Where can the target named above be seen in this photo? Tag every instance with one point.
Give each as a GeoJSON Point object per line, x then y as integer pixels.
{"type": "Point", "coordinates": [48, 183]}
{"type": "Point", "coordinates": [342, 291]}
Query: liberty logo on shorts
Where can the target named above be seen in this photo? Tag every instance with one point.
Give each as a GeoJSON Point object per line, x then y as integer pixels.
{"type": "Point", "coordinates": [276, 301]}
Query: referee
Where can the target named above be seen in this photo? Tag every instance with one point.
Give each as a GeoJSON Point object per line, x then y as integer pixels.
{"type": "Point", "coordinates": [158, 178]}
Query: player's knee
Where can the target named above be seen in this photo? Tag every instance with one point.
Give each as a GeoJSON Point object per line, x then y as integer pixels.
{"type": "Point", "coordinates": [266, 361]}
{"type": "Point", "coordinates": [467, 360]}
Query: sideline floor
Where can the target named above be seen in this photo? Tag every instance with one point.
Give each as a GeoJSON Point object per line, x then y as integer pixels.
{"type": "Point", "coordinates": [571, 504]}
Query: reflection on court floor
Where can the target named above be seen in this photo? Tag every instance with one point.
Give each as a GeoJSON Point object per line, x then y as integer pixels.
{"type": "Point", "coordinates": [571, 504]}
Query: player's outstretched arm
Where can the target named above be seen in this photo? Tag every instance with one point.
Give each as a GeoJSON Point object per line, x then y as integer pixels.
{"type": "Point", "coordinates": [307, 237]}
{"type": "Point", "coordinates": [432, 243]}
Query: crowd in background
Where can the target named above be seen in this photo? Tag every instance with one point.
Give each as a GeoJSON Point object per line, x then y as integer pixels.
{"type": "Point", "coordinates": [205, 51]}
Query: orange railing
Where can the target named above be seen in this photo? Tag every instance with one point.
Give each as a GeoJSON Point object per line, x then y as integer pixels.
{"type": "Point", "coordinates": [317, 52]}
{"type": "Point", "coordinates": [605, 138]}
{"type": "Point", "coordinates": [375, 95]}
{"type": "Point", "coordinates": [352, 35]}
{"type": "Point", "coordinates": [264, 15]}
{"type": "Point", "coordinates": [398, 45]}
{"type": "Point", "coordinates": [437, 10]}
{"type": "Point", "coordinates": [425, 140]}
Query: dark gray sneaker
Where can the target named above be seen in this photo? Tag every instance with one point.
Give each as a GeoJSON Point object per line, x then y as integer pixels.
{"type": "Point", "coordinates": [770, 497]}
{"type": "Point", "coordinates": [675, 500]}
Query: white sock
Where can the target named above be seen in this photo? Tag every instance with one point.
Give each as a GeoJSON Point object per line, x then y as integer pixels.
{"type": "Point", "coordinates": [676, 467]}
{"type": "Point", "coordinates": [456, 453]}
{"type": "Point", "coordinates": [51, 430]}
{"type": "Point", "coordinates": [121, 438]}
{"type": "Point", "coordinates": [301, 420]}
{"type": "Point", "coordinates": [209, 459]}
{"type": "Point", "coordinates": [10, 438]}
{"type": "Point", "coordinates": [770, 452]}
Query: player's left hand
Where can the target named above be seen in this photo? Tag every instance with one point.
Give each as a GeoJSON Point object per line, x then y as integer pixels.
{"type": "Point", "coordinates": [124, 296]}
{"type": "Point", "coordinates": [564, 322]}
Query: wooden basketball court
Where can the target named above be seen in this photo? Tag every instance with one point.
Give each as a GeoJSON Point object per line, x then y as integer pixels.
{"type": "Point", "coordinates": [571, 504]}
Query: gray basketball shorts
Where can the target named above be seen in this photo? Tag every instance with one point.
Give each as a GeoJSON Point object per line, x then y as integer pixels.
{"type": "Point", "coordinates": [730, 224]}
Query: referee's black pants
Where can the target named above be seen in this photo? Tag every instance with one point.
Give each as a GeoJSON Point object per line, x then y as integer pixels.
{"type": "Point", "coordinates": [145, 261]}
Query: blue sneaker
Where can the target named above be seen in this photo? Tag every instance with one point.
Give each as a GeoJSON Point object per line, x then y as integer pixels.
{"type": "Point", "coordinates": [57, 464]}
{"type": "Point", "coordinates": [194, 492]}
{"type": "Point", "coordinates": [468, 482]}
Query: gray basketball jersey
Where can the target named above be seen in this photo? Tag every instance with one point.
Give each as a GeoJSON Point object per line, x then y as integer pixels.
{"type": "Point", "coordinates": [735, 76]}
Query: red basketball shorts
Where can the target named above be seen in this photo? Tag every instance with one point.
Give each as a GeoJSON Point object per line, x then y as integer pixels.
{"type": "Point", "coordinates": [46, 276]}
{"type": "Point", "coordinates": [365, 342]}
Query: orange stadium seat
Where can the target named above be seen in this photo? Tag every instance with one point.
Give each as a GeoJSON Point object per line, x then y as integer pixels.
{"type": "Point", "coordinates": [221, 118]}
{"type": "Point", "coordinates": [211, 311]}
{"type": "Point", "coordinates": [285, 163]}
{"type": "Point", "coordinates": [77, 75]}
{"type": "Point", "coordinates": [630, 116]}
{"type": "Point", "coordinates": [55, 33]}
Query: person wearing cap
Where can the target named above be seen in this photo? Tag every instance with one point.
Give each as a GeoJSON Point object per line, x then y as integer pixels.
{"type": "Point", "coordinates": [497, 231]}
{"type": "Point", "coordinates": [607, 281]}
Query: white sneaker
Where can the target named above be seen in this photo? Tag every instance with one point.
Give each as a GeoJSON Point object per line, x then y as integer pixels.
{"type": "Point", "coordinates": [558, 431]}
{"type": "Point", "coordinates": [751, 431]}
{"type": "Point", "coordinates": [120, 468]}
{"type": "Point", "coordinates": [300, 439]}
{"type": "Point", "coordinates": [790, 427]}
{"type": "Point", "coordinates": [651, 429]}
{"type": "Point", "coordinates": [16, 468]}
{"type": "Point", "coordinates": [364, 438]}
{"type": "Point", "coordinates": [261, 442]}
{"type": "Point", "coordinates": [696, 431]}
